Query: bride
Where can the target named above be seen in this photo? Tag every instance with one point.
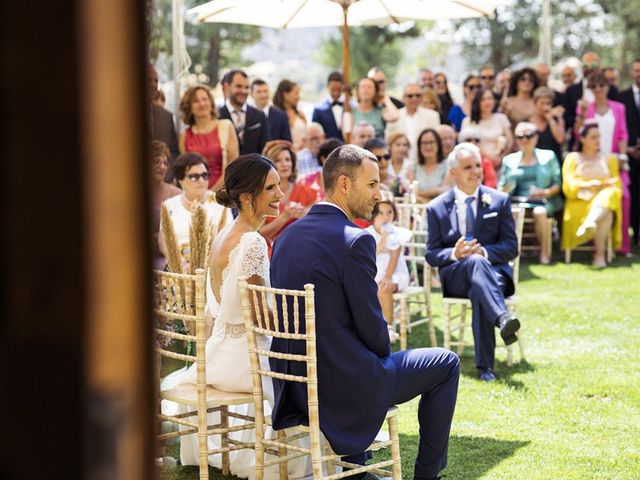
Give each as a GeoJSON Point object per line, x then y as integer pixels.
{"type": "Point", "coordinates": [251, 184]}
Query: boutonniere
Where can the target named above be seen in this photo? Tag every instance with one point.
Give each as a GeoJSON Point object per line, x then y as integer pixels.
{"type": "Point", "coordinates": [486, 199]}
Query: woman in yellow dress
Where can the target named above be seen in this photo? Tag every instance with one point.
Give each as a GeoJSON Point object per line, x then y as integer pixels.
{"type": "Point", "coordinates": [593, 192]}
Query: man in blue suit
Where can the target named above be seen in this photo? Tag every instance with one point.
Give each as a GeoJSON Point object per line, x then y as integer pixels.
{"type": "Point", "coordinates": [471, 240]}
{"type": "Point", "coordinates": [250, 123]}
{"type": "Point", "coordinates": [329, 113]}
{"type": "Point", "coordinates": [358, 376]}
{"type": "Point", "coordinates": [278, 120]}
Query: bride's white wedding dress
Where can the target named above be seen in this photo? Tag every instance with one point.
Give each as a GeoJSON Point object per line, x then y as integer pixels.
{"type": "Point", "coordinates": [227, 356]}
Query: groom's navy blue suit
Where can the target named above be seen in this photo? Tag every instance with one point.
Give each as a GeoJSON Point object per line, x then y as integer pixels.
{"type": "Point", "coordinates": [358, 376]}
{"type": "Point", "coordinates": [485, 281]}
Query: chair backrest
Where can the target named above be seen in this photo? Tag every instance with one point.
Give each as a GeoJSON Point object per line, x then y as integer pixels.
{"type": "Point", "coordinates": [412, 216]}
{"type": "Point", "coordinates": [518, 218]}
{"type": "Point", "coordinates": [283, 321]}
{"type": "Point", "coordinates": [181, 297]}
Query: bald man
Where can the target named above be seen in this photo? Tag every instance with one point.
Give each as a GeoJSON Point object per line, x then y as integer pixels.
{"type": "Point", "coordinates": [544, 73]}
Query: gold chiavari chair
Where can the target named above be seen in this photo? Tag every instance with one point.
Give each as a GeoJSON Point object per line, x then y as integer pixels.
{"type": "Point", "coordinates": [181, 297]}
{"type": "Point", "coordinates": [258, 321]}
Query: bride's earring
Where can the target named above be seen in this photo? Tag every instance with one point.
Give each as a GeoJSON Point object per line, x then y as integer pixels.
{"type": "Point", "coordinates": [251, 210]}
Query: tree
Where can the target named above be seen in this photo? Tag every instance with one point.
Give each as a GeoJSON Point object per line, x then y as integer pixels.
{"type": "Point", "coordinates": [369, 46]}
{"type": "Point", "coordinates": [511, 35]}
{"type": "Point", "coordinates": [628, 14]}
{"type": "Point", "coordinates": [212, 47]}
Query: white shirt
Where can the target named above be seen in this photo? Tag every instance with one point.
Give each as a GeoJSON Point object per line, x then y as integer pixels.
{"type": "Point", "coordinates": [586, 93]}
{"type": "Point", "coordinates": [333, 205]}
{"type": "Point", "coordinates": [337, 111]}
{"type": "Point", "coordinates": [636, 94]}
{"type": "Point", "coordinates": [461, 210]}
{"type": "Point", "coordinates": [243, 113]}
{"type": "Point", "coordinates": [606, 125]}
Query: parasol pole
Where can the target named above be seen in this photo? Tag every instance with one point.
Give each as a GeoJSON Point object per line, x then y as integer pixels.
{"type": "Point", "coordinates": [346, 119]}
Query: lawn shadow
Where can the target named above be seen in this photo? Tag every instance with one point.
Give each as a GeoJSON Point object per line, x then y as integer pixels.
{"type": "Point", "coordinates": [504, 372]}
{"type": "Point", "coordinates": [472, 457]}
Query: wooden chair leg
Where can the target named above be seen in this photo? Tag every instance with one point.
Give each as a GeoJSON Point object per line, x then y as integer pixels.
{"type": "Point", "coordinates": [403, 323]}
{"type": "Point", "coordinates": [463, 318]}
{"type": "Point", "coordinates": [224, 437]}
{"type": "Point", "coordinates": [326, 449]}
{"type": "Point", "coordinates": [395, 447]}
{"type": "Point", "coordinates": [521, 346]}
{"type": "Point", "coordinates": [567, 255]}
{"type": "Point", "coordinates": [446, 317]}
{"type": "Point", "coordinates": [282, 452]}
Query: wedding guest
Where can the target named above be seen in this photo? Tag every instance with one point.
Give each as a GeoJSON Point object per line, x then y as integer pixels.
{"type": "Point", "coordinates": [612, 124]}
{"type": "Point", "coordinates": [472, 134]}
{"type": "Point", "coordinates": [495, 129]}
{"type": "Point", "coordinates": [314, 180]}
{"type": "Point", "coordinates": [549, 122]}
{"type": "Point", "coordinates": [380, 78]}
{"type": "Point", "coordinates": [368, 108]}
{"type": "Point", "coordinates": [518, 105]}
{"type": "Point", "coordinates": [307, 158]}
{"type": "Point", "coordinates": [544, 73]}
{"type": "Point", "coordinates": [568, 76]}
{"type": "Point", "coordinates": [413, 118]}
{"type": "Point", "coordinates": [160, 191]}
{"type": "Point", "coordinates": [278, 120]}
{"type": "Point", "coordinates": [532, 177]}
{"type": "Point", "coordinates": [448, 136]}
{"type": "Point", "coordinates": [631, 100]}
{"type": "Point", "coordinates": [459, 111]}
{"type": "Point", "coordinates": [163, 127]}
{"type": "Point", "coordinates": [400, 164]}
{"type": "Point", "coordinates": [296, 198]}
{"type": "Point", "coordinates": [488, 80]}
{"type": "Point", "coordinates": [612, 76]}
{"type": "Point", "coordinates": [207, 135]}
{"type": "Point", "coordinates": [426, 79]}
{"type": "Point", "coordinates": [431, 170]}
{"type": "Point", "coordinates": [286, 98]}
{"type": "Point", "coordinates": [329, 113]}
{"type": "Point", "coordinates": [392, 274]}
{"type": "Point", "coordinates": [362, 132]}
{"type": "Point", "coordinates": [191, 174]}
{"type": "Point", "coordinates": [393, 183]}
{"type": "Point", "coordinates": [593, 193]}
{"type": "Point", "coordinates": [431, 101]}
{"type": "Point", "coordinates": [503, 79]}
{"type": "Point", "coordinates": [446, 101]}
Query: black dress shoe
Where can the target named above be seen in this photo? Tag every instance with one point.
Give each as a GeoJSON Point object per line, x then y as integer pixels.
{"type": "Point", "coordinates": [508, 327]}
{"type": "Point", "coordinates": [486, 375]}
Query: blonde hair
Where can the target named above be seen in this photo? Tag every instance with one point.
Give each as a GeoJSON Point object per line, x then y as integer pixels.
{"type": "Point", "coordinates": [430, 94]}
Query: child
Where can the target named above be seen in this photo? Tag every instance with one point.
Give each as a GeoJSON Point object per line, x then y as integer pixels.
{"type": "Point", "coordinates": [393, 274]}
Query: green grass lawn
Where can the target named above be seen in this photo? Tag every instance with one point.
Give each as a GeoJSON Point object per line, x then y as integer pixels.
{"type": "Point", "coordinates": [572, 410]}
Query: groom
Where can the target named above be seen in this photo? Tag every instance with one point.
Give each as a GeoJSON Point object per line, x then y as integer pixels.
{"type": "Point", "coordinates": [358, 376]}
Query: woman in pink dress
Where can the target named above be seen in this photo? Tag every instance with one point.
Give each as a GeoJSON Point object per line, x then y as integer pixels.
{"type": "Point", "coordinates": [215, 139]}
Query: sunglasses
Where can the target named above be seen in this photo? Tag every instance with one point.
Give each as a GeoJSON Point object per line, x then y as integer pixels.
{"type": "Point", "coordinates": [381, 82]}
{"type": "Point", "coordinates": [590, 65]}
{"type": "Point", "coordinates": [386, 156]}
{"type": "Point", "coordinates": [473, 87]}
{"type": "Point", "coordinates": [194, 177]}
{"type": "Point", "coordinates": [597, 85]}
{"type": "Point", "coordinates": [413, 95]}
{"type": "Point", "coordinates": [487, 77]}
{"type": "Point", "coordinates": [526, 78]}
{"type": "Point", "coordinates": [526, 136]}
{"type": "Point", "coordinates": [473, 140]}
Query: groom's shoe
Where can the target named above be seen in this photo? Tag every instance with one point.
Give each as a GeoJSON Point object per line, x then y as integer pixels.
{"type": "Point", "coordinates": [508, 327]}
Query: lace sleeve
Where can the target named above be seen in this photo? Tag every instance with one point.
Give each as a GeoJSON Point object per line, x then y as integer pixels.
{"type": "Point", "coordinates": [255, 259]}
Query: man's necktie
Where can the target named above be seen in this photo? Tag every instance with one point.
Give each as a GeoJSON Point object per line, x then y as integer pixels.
{"type": "Point", "coordinates": [239, 123]}
{"type": "Point", "coordinates": [470, 218]}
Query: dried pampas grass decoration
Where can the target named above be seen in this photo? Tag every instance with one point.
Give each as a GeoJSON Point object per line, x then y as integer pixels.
{"type": "Point", "coordinates": [199, 239]}
{"type": "Point", "coordinates": [172, 252]}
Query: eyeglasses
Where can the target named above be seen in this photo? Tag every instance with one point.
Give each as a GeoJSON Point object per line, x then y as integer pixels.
{"type": "Point", "coordinates": [194, 177]}
{"type": "Point", "coordinates": [413, 95]}
{"type": "Point", "coordinates": [597, 85]}
{"type": "Point", "coordinates": [526, 136]}
{"type": "Point", "coordinates": [428, 142]}
{"type": "Point", "coordinates": [386, 157]}
{"type": "Point", "coordinates": [487, 77]}
{"type": "Point", "coordinates": [441, 82]}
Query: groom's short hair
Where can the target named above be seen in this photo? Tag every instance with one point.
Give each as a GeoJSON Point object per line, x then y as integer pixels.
{"type": "Point", "coordinates": [344, 160]}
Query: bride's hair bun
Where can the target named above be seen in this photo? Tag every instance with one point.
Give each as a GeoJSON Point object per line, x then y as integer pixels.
{"type": "Point", "coordinates": [246, 174]}
{"type": "Point", "coordinates": [224, 199]}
